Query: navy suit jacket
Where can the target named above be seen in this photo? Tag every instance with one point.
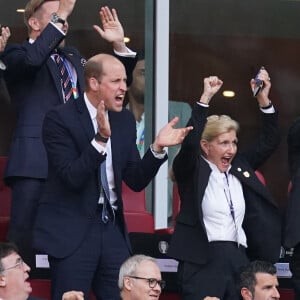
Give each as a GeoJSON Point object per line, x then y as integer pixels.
{"type": "Point", "coordinates": [262, 219]}
{"type": "Point", "coordinates": [33, 82]}
{"type": "Point", "coordinates": [72, 189]}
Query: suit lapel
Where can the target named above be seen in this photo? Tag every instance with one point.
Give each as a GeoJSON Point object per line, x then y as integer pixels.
{"type": "Point", "coordinates": [56, 77]}
{"type": "Point", "coordinates": [249, 179]}
{"type": "Point", "coordinates": [84, 117]}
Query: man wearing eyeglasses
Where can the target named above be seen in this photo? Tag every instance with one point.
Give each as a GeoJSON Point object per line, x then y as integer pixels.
{"type": "Point", "coordinates": [140, 278]}
{"type": "Point", "coordinates": [14, 275]}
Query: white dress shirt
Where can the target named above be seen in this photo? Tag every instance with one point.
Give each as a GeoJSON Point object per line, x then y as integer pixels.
{"type": "Point", "coordinates": [107, 149]}
{"type": "Point", "coordinates": [219, 222]}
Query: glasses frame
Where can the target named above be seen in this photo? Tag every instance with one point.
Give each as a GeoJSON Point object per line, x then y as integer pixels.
{"type": "Point", "coordinates": [151, 281]}
{"type": "Point", "coordinates": [19, 264]}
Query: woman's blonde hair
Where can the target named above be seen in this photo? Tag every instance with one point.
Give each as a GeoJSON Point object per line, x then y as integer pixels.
{"type": "Point", "coordinates": [218, 124]}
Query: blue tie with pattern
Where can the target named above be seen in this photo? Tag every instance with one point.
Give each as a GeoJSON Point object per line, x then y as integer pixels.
{"type": "Point", "coordinates": [65, 78]}
{"type": "Point", "coordinates": [104, 194]}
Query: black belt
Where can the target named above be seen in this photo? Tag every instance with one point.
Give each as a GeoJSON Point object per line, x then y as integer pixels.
{"type": "Point", "coordinates": [232, 243]}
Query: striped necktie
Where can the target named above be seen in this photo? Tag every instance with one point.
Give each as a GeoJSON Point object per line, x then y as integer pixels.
{"type": "Point", "coordinates": [64, 76]}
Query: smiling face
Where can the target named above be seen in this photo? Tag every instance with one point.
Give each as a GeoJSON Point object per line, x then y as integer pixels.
{"type": "Point", "coordinates": [13, 280]}
{"type": "Point", "coordinates": [221, 150]}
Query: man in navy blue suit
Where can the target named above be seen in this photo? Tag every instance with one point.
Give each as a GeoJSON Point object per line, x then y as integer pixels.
{"type": "Point", "coordinates": [85, 249]}
{"type": "Point", "coordinates": [34, 84]}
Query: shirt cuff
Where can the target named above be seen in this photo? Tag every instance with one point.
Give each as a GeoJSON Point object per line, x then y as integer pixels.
{"type": "Point", "coordinates": [98, 147]}
{"type": "Point", "coordinates": [269, 110]}
{"type": "Point", "coordinates": [130, 53]}
{"type": "Point", "coordinates": [158, 155]}
{"type": "Point", "coordinates": [57, 28]}
{"type": "Point", "coordinates": [202, 104]}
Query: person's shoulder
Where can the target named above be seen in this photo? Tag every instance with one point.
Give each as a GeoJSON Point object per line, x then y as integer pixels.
{"type": "Point", "coordinates": [71, 50]}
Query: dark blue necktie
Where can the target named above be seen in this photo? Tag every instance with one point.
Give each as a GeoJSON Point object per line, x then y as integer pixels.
{"type": "Point", "coordinates": [64, 76]}
{"type": "Point", "coordinates": [104, 194]}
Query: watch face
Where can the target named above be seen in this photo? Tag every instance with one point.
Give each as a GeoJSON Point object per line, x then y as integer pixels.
{"type": "Point", "coordinates": [56, 19]}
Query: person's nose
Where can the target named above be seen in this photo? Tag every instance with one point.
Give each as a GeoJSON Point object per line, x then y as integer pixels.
{"type": "Point", "coordinates": [276, 294]}
{"type": "Point", "coordinates": [26, 267]}
{"type": "Point", "coordinates": [231, 148]}
{"type": "Point", "coordinates": [157, 287]}
{"type": "Point", "coordinates": [123, 86]}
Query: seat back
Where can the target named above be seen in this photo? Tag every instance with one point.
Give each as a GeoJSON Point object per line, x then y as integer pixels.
{"type": "Point", "coordinates": [137, 218]}
{"type": "Point", "coordinates": [261, 177]}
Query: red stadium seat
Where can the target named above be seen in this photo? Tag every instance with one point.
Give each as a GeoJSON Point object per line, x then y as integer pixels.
{"type": "Point", "coordinates": [137, 218]}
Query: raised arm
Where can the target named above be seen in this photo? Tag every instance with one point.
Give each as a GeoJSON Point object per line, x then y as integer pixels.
{"type": "Point", "coordinates": [112, 31]}
{"type": "Point", "coordinates": [5, 34]}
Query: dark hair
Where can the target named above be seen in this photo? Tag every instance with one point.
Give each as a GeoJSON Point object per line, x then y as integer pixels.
{"type": "Point", "coordinates": [5, 250]}
{"type": "Point", "coordinates": [247, 275]}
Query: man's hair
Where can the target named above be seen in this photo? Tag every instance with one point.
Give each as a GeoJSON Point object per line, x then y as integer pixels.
{"type": "Point", "coordinates": [94, 67]}
{"type": "Point", "coordinates": [5, 250]}
{"type": "Point", "coordinates": [129, 266]}
{"type": "Point", "coordinates": [31, 7]}
{"type": "Point", "coordinates": [247, 275]}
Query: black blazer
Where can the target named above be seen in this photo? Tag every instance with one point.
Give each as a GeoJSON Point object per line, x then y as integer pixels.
{"type": "Point", "coordinates": [262, 220]}
{"type": "Point", "coordinates": [72, 190]}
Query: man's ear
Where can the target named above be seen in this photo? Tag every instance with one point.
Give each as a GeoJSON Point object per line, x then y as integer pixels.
{"type": "Point", "coordinates": [2, 281]}
{"type": "Point", "coordinates": [127, 283]}
{"type": "Point", "coordinates": [246, 294]}
{"type": "Point", "coordinates": [93, 84]}
{"type": "Point", "coordinates": [34, 23]}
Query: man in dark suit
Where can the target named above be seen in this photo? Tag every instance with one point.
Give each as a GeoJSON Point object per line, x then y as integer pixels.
{"type": "Point", "coordinates": [227, 215]}
{"type": "Point", "coordinates": [292, 222]}
{"type": "Point", "coordinates": [80, 222]}
{"type": "Point", "coordinates": [35, 86]}
{"type": "Point", "coordinates": [14, 275]}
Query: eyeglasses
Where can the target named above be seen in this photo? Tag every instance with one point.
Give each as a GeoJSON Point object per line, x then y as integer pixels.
{"type": "Point", "coordinates": [152, 282]}
{"type": "Point", "coordinates": [19, 265]}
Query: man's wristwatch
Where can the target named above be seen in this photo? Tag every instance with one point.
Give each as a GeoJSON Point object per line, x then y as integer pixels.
{"type": "Point", "coordinates": [55, 18]}
{"type": "Point", "coordinates": [100, 138]}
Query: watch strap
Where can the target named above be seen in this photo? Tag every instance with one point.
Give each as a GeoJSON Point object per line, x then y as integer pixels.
{"type": "Point", "coordinates": [100, 138]}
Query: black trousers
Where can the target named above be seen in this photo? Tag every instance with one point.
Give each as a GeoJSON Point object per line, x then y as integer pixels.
{"type": "Point", "coordinates": [94, 265]}
{"type": "Point", "coordinates": [216, 277]}
{"type": "Point", "coordinates": [26, 193]}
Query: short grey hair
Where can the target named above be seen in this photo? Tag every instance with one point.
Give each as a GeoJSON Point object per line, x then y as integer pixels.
{"type": "Point", "coordinates": [129, 266]}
